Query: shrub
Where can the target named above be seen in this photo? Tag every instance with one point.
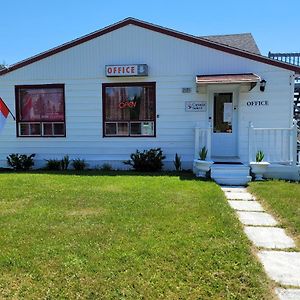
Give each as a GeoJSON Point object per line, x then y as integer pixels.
{"type": "Point", "coordinates": [20, 161]}
{"type": "Point", "coordinates": [203, 153]}
{"type": "Point", "coordinates": [53, 164]}
{"type": "Point", "coordinates": [147, 161]}
{"type": "Point", "coordinates": [79, 164]}
{"type": "Point", "coordinates": [259, 156]}
{"type": "Point", "coordinates": [177, 162]}
{"type": "Point", "coordinates": [65, 162]}
{"type": "Point", "coordinates": [106, 167]}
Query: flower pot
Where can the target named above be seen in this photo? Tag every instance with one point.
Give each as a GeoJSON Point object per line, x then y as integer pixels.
{"type": "Point", "coordinates": [259, 168]}
{"type": "Point", "coordinates": [202, 167]}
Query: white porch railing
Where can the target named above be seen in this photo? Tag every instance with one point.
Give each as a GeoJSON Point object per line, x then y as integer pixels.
{"type": "Point", "coordinates": [203, 139]}
{"type": "Point", "coordinates": [298, 145]}
{"type": "Point", "coordinates": [278, 144]}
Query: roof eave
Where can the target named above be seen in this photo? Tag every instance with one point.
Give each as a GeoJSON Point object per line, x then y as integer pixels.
{"type": "Point", "coordinates": [156, 28]}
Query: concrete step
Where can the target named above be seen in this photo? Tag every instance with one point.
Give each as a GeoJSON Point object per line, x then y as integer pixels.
{"type": "Point", "coordinates": [229, 169]}
{"type": "Point", "coordinates": [233, 180]}
{"type": "Point", "coordinates": [227, 174]}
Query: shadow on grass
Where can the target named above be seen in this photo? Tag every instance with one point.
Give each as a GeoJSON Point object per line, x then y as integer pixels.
{"type": "Point", "coordinates": [184, 175]}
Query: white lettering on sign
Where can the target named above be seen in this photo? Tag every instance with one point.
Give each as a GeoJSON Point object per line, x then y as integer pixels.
{"type": "Point", "coordinates": [257, 103]}
{"type": "Point", "coordinates": [195, 106]}
{"type": "Point", "coordinates": [126, 70]}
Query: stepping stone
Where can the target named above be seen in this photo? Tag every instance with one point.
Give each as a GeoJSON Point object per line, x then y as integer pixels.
{"type": "Point", "coordinates": [269, 237]}
{"type": "Point", "coordinates": [256, 218]}
{"type": "Point", "coordinates": [288, 294]}
{"type": "Point", "coordinates": [234, 189]}
{"type": "Point", "coordinates": [239, 196]}
{"type": "Point", "coordinates": [283, 267]}
{"type": "Point", "coordinates": [245, 205]}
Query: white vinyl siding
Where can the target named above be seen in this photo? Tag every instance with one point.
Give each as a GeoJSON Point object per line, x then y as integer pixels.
{"type": "Point", "coordinates": [173, 65]}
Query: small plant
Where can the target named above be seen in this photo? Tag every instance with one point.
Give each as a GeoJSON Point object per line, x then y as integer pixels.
{"type": "Point", "coordinates": [79, 164]}
{"type": "Point", "coordinates": [259, 156]}
{"type": "Point", "coordinates": [147, 160]}
{"type": "Point", "coordinates": [65, 162]}
{"type": "Point", "coordinates": [203, 153]}
{"type": "Point", "coordinates": [20, 161]}
{"type": "Point", "coordinates": [106, 167]}
{"type": "Point", "coordinates": [53, 164]}
{"type": "Point", "coordinates": [177, 162]}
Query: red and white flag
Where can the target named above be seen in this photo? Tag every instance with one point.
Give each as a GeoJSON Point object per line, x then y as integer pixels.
{"type": "Point", "coordinates": [4, 111]}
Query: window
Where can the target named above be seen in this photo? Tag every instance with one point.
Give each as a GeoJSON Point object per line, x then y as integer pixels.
{"type": "Point", "coordinates": [40, 111]}
{"type": "Point", "coordinates": [223, 113]}
{"type": "Point", "coordinates": [128, 109]}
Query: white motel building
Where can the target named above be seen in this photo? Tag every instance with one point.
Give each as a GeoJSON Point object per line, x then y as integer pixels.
{"type": "Point", "coordinates": [135, 85]}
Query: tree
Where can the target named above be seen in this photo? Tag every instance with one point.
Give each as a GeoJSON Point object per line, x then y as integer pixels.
{"type": "Point", "coordinates": [2, 65]}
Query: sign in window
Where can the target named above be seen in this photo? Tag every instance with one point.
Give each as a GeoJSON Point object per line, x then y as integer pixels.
{"type": "Point", "coordinates": [129, 109]}
{"type": "Point", "coordinates": [223, 111]}
{"type": "Point", "coordinates": [40, 110]}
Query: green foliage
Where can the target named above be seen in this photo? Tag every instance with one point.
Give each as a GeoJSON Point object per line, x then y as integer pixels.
{"type": "Point", "coordinates": [259, 156]}
{"type": "Point", "coordinates": [79, 164]}
{"type": "Point", "coordinates": [94, 236]}
{"type": "Point", "coordinates": [58, 164]}
{"type": "Point", "coordinates": [53, 164]}
{"type": "Point", "coordinates": [203, 153]}
{"type": "Point", "coordinates": [106, 167]}
{"type": "Point", "coordinates": [20, 162]}
{"type": "Point", "coordinates": [2, 65]}
{"type": "Point", "coordinates": [177, 162]}
{"type": "Point", "coordinates": [65, 162]}
{"type": "Point", "coordinates": [283, 199]}
{"type": "Point", "coordinates": [147, 160]}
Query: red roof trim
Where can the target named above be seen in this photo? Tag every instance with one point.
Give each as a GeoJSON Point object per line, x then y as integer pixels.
{"type": "Point", "coordinates": [156, 28]}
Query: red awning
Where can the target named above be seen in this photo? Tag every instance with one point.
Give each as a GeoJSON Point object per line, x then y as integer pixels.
{"type": "Point", "coordinates": [228, 78]}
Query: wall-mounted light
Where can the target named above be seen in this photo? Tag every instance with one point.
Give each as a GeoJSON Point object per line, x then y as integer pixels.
{"type": "Point", "coordinates": [262, 85]}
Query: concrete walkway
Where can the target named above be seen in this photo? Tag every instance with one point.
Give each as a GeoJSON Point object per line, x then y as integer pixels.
{"type": "Point", "coordinates": [275, 249]}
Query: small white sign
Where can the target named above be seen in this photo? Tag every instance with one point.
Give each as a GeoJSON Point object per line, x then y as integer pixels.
{"type": "Point", "coordinates": [186, 90]}
{"type": "Point", "coordinates": [126, 70]}
{"type": "Point", "coordinates": [227, 115]}
{"type": "Point", "coordinates": [195, 106]}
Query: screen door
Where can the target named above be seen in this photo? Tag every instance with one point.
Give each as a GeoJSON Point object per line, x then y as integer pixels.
{"type": "Point", "coordinates": [224, 135]}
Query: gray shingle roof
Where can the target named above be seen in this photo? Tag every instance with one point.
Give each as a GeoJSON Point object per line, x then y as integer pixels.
{"type": "Point", "coordinates": [243, 41]}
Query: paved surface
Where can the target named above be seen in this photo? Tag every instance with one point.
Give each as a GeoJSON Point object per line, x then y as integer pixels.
{"type": "Point", "coordinates": [281, 266]}
{"type": "Point", "coordinates": [234, 189]}
{"type": "Point", "coordinates": [245, 205]}
{"type": "Point", "coordinates": [239, 196]}
{"type": "Point", "coordinates": [288, 294]}
{"type": "Point", "coordinates": [256, 218]}
{"type": "Point", "coordinates": [269, 237]}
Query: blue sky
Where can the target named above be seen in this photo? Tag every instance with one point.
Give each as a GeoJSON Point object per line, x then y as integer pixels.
{"type": "Point", "coordinates": [30, 27]}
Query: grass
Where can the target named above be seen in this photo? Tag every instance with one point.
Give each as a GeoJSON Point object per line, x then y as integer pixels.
{"type": "Point", "coordinates": [283, 199]}
{"type": "Point", "coordinates": [122, 237]}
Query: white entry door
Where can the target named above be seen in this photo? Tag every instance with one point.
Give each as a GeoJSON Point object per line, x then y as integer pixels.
{"type": "Point", "coordinates": [224, 125]}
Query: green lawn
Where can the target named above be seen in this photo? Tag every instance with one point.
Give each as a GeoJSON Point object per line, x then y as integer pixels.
{"type": "Point", "coordinates": [122, 237]}
{"type": "Point", "coordinates": [283, 199]}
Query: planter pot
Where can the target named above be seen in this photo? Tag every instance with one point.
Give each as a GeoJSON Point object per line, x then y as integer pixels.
{"type": "Point", "coordinates": [202, 167]}
{"type": "Point", "coordinates": [259, 168]}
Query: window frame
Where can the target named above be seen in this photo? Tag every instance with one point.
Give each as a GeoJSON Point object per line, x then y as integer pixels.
{"type": "Point", "coordinates": [18, 122]}
{"type": "Point", "coordinates": [129, 84]}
